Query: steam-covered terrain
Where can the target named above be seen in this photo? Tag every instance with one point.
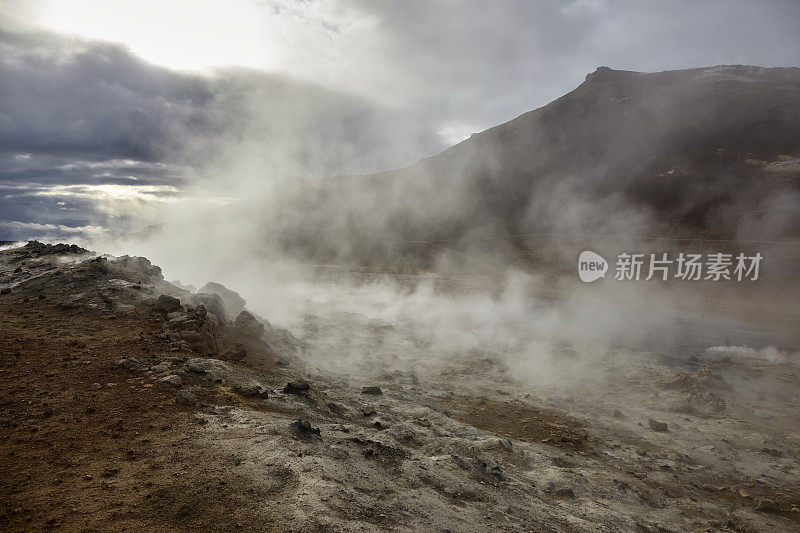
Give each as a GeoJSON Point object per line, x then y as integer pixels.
{"type": "Point", "coordinates": [131, 402]}
{"type": "Point", "coordinates": [699, 160]}
{"type": "Point", "coordinates": [413, 350]}
{"type": "Point", "coordinates": [708, 153]}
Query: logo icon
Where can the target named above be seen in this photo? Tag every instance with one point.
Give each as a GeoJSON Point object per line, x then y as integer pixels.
{"type": "Point", "coordinates": [591, 266]}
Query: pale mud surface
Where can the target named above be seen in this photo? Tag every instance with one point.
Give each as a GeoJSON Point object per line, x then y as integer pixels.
{"type": "Point", "coordinates": [486, 420]}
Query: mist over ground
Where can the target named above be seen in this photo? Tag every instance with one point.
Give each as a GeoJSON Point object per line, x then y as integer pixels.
{"type": "Point", "coordinates": [488, 233]}
{"type": "Point", "coordinates": [354, 266]}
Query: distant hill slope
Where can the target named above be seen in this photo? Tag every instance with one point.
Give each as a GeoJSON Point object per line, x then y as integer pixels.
{"type": "Point", "coordinates": [699, 153]}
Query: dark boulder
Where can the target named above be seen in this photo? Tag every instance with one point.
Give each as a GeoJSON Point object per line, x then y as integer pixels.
{"type": "Point", "coordinates": [185, 398]}
{"type": "Point", "coordinates": [167, 304]}
{"type": "Point", "coordinates": [250, 390]}
{"type": "Point", "coordinates": [296, 387]}
{"type": "Point", "coordinates": [231, 301]}
{"type": "Point", "coordinates": [304, 428]}
{"type": "Point", "coordinates": [236, 354]}
{"type": "Point", "coordinates": [247, 324]}
{"type": "Point", "coordinates": [655, 425]}
{"type": "Point", "coordinates": [213, 304]}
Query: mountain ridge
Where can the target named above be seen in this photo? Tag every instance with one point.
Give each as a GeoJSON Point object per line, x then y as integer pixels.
{"type": "Point", "coordinates": [605, 74]}
{"type": "Point", "coordinates": [622, 153]}
{"type": "Point", "coordinates": [626, 160]}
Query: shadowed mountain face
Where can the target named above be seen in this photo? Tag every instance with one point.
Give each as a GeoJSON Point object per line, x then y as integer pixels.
{"type": "Point", "coordinates": [627, 161]}
{"type": "Point", "coordinates": [709, 152]}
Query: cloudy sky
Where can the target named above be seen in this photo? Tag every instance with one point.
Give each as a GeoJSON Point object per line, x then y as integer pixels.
{"type": "Point", "coordinates": [111, 112]}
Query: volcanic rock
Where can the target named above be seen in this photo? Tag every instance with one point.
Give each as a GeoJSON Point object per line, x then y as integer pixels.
{"type": "Point", "coordinates": [171, 381]}
{"type": "Point", "coordinates": [304, 428]}
{"type": "Point", "coordinates": [236, 354]}
{"type": "Point", "coordinates": [231, 301]}
{"type": "Point", "coordinates": [246, 324]}
{"type": "Point", "coordinates": [214, 305]}
{"type": "Point", "coordinates": [185, 398]}
{"type": "Point", "coordinates": [296, 387]}
{"type": "Point", "coordinates": [167, 304]}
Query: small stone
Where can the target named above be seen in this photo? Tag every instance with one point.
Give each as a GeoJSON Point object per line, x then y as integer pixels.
{"type": "Point", "coordinates": [656, 425]}
{"type": "Point", "coordinates": [130, 363]}
{"type": "Point", "coordinates": [171, 381]}
{"type": "Point", "coordinates": [561, 492]}
{"type": "Point", "coordinates": [618, 414]}
{"type": "Point", "coordinates": [5, 291]}
{"type": "Point", "coordinates": [185, 398]}
{"type": "Point", "coordinates": [296, 387]}
{"type": "Point", "coordinates": [247, 389]}
{"type": "Point", "coordinates": [95, 386]}
{"type": "Point", "coordinates": [304, 428]}
{"type": "Point", "coordinates": [768, 506]}
{"type": "Point", "coordinates": [376, 391]}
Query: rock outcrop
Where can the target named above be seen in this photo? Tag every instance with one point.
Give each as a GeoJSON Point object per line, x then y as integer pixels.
{"type": "Point", "coordinates": [196, 327]}
{"type": "Point", "coordinates": [247, 324]}
{"type": "Point", "coordinates": [166, 304]}
{"type": "Point", "coordinates": [232, 302]}
{"type": "Point", "coordinates": [214, 304]}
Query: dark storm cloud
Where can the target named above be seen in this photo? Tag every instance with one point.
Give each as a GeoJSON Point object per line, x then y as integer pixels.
{"type": "Point", "coordinates": [92, 101]}
{"type": "Point", "coordinates": [76, 113]}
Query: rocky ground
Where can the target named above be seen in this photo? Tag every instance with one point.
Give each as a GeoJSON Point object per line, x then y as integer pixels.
{"type": "Point", "coordinates": [131, 403]}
